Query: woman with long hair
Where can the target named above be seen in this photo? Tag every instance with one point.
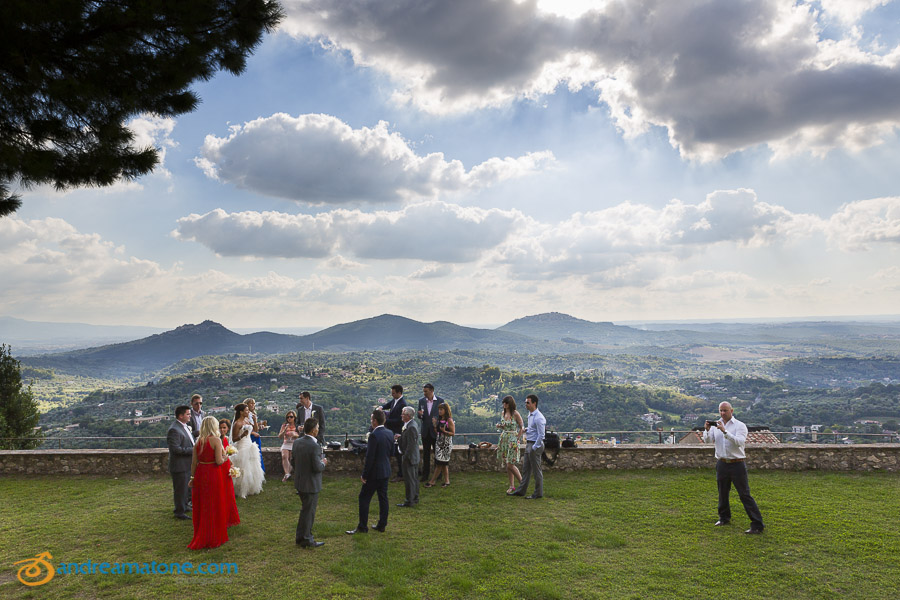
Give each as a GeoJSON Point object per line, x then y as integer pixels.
{"type": "Point", "coordinates": [288, 434]}
{"type": "Point", "coordinates": [247, 459]}
{"type": "Point", "coordinates": [511, 429]}
{"type": "Point", "coordinates": [254, 433]}
{"type": "Point", "coordinates": [443, 445]}
{"type": "Point", "coordinates": [208, 491]}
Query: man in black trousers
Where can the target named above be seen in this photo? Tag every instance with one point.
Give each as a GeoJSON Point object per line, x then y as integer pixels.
{"type": "Point", "coordinates": [375, 475]}
{"type": "Point", "coordinates": [308, 466]}
{"type": "Point", "coordinates": [394, 422]}
{"type": "Point", "coordinates": [729, 435]}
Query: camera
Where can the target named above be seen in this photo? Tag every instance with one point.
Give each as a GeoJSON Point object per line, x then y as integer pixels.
{"type": "Point", "coordinates": [711, 423]}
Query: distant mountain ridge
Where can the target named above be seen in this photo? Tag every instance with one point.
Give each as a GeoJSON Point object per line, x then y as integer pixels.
{"type": "Point", "coordinates": [559, 326]}
{"type": "Point", "coordinates": [546, 333]}
{"type": "Point", "coordinates": [385, 332]}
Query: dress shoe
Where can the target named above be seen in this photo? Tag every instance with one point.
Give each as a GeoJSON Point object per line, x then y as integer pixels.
{"type": "Point", "coordinates": [377, 528]}
{"type": "Point", "coordinates": [721, 523]}
{"type": "Point", "coordinates": [753, 531]}
{"type": "Point", "coordinates": [308, 545]}
{"type": "Point", "coordinates": [405, 505]}
{"type": "Point", "coordinates": [357, 530]}
{"type": "Point", "coordinates": [183, 517]}
{"type": "Point", "coordinates": [533, 497]}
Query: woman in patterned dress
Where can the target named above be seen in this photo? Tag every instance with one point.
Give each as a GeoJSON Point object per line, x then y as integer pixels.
{"type": "Point", "coordinates": [443, 445]}
{"type": "Point", "coordinates": [511, 429]}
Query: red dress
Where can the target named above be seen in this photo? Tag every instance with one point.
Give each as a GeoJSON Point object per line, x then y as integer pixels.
{"type": "Point", "coordinates": [233, 517]}
{"type": "Point", "coordinates": [208, 496]}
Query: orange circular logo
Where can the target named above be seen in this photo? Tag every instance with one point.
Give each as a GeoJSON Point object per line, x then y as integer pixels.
{"type": "Point", "coordinates": [37, 570]}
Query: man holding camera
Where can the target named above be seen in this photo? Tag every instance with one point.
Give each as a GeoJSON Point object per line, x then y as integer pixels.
{"type": "Point", "coordinates": [729, 436]}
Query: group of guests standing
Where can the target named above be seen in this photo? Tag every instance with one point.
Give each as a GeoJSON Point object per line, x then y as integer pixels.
{"type": "Point", "coordinates": [207, 474]}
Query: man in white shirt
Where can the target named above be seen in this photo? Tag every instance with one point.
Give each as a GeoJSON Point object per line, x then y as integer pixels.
{"type": "Point", "coordinates": [729, 436]}
{"type": "Point", "coordinates": [197, 414]}
{"type": "Point", "coordinates": [534, 448]}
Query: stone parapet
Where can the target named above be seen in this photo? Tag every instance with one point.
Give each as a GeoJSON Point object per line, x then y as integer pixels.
{"type": "Point", "coordinates": [792, 457]}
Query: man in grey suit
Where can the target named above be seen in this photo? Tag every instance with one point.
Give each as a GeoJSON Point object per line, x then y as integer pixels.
{"type": "Point", "coordinates": [308, 466]}
{"type": "Point", "coordinates": [307, 410]}
{"type": "Point", "coordinates": [181, 450]}
{"type": "Point", "coordinates": [409, 451]}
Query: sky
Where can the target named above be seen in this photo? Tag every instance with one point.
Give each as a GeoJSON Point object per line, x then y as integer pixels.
{"type": "Point", "coordinates": [479, 161]}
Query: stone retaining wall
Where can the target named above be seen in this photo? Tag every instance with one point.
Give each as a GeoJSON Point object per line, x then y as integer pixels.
{"type": "Point", "coordinates": [793, 457]}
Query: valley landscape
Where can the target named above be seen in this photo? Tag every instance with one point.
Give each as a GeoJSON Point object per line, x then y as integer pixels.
{"type": "Point", "coordinates": [801, 377]}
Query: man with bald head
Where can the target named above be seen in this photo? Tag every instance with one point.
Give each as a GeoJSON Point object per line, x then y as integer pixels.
{"type": "Point", "coordinates": [729, 436]}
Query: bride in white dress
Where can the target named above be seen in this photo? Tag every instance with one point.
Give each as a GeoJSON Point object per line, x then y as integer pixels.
{"type": "Point", "coordinates": [247, 458]}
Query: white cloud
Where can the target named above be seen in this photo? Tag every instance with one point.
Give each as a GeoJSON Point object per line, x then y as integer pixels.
{"type": "Point", "coordinates": [849, 11]}
{"type": "Point", "coordinates": [624, 244]}
{"type": "Point", "coordinates": [51, 271]}
{"type": "Point", "coordinates": [261, 233]}
{"type": "Point", "coordinates": [432, 271]}
{"type": "Point", "coordinates": [858, 225]}
{"type": "Point", "coordinates": [433, 231]}
{"type": "Point", "coordinates": [319, 159]}
{"type": "Point", "coordinates": [342, 264]}
{"type": "Point", "coordinates": [720, 75]}
{"type": "Point", "coordinates": [151, 130]}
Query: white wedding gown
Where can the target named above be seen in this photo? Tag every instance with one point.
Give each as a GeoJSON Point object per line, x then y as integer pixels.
{"type": "Point", "coordinates": [247, 460]}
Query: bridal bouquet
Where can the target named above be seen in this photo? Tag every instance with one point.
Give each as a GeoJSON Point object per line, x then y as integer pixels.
{"type": "Point", "coordinates": [234, 472]}
{"type": "Point", "coordinates": [231, 451]}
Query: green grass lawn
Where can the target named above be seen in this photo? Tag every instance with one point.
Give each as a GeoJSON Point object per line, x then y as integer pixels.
{"type": "Point", "coordinates": [627, 534]}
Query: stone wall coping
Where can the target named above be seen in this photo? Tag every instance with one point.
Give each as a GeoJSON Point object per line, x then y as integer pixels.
{"type": "Point", "coordinates": [790, 457]}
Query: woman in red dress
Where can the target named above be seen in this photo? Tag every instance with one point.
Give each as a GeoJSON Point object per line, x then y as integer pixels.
{"type": "Point", "coordinates": [208, 490]}
{"type": "Point", "coordinates": [233, 517]}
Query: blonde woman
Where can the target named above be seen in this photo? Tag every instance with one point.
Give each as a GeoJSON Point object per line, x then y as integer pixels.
{"type": "Point", "coordinates": [289, 432]}
{"type": "Point", "coordinates": [254, 434]}
{"type": "Point", "coordinates": [210, 511]}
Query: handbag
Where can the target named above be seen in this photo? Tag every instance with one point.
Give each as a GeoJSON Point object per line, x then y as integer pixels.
{"type": "Point", "coordinates": [551, 442]}
{"type": "Point", "coordinates": [357, 447]}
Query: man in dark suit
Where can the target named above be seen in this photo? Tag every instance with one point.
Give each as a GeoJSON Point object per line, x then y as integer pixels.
{"type": "Point", "coordinates": [428, 413]}
{"type": "Point", "coordinates": [375, 475]}
{"type": "Point", "coordinates": [308, 466]}
{"type": "Point", "coordinates": [409, 450]}
{"type": "Point", "coordinates": [197, 414]}
{"type": "Point", "coordinates": [394, 422]}
{"type": "Point", "coordinates": [307, 410]}
{"type": "Point", "coordinates": [181, 450]}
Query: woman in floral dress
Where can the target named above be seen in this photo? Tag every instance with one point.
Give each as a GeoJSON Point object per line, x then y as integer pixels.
{"type": "Point", "coordinates": [443, 445]}
{"type": "Point", "coordinates": [511, 429]}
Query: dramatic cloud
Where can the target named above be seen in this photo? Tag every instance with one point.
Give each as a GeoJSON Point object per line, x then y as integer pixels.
{"type": "Point", "coordinates": [427, 231]}
{"type": "Point", "coordinates": [319, 159]}
{"type": "Point", "coordinates": [720, 75]}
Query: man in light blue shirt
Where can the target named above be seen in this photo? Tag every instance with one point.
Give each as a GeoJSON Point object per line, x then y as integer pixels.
{"type": "Point", "coordinates": [534, 448]}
